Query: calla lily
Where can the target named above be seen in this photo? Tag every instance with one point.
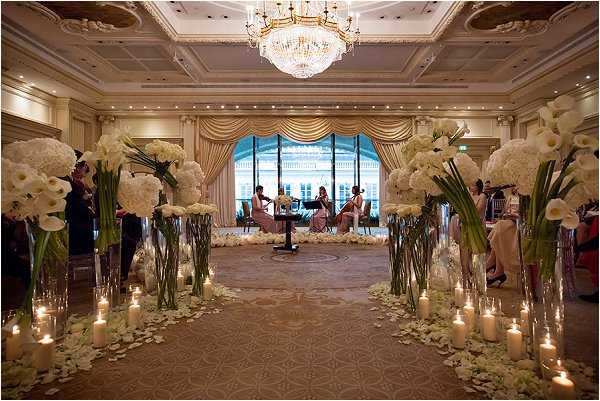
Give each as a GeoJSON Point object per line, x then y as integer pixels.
{"type": "Point", "coordinates": [51, 223]}
{"type": "Point", "coordinates": [570, 221]}
{"type": "Point", "coordinates": [568, 121]}
{"type": "Point", "coordinates": [585, 141]}
{"type": "Point", "coordinates": [548, 142]}
{"type": "Point", "coordinates": [46, 205]}
{"type": "Point", "coordinates": [586, 162]}
{"type": "Point", "coordinates": [546, 114]}
{"type": "Point", "coordinates": [556, 209]}
{"type": "Point", "coordinates": [562, 103]}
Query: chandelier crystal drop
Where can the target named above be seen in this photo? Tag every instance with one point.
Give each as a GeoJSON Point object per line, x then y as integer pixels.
{"type": "Point", "coordinates": [303, 38]}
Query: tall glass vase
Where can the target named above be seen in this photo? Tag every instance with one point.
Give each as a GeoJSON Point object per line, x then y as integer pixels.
{"type": "Point", "coordinates": [399, 255]}
{"type": "Point", "coordinates": [478, 276]}
{"type": "Point", "coordinates": [49, 286]}
{"type": "Point", "coordinates": [420, 249]}
{"type": "Point", "coordinates": [165, 239]}
{"type": "Point", "coordinates": [543, 290]}
{"type": "Point", "coordinates": [199, 236]}
{"type": "Point", "coordinates": [441, 274]}
{"type": "Point", "coordinates": [107, 261]}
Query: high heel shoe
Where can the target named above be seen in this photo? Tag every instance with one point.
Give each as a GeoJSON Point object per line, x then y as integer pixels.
{"type": "Point", "coordinates": [491, 269]}
{"type": "Point", "coordinates": [501, 279]}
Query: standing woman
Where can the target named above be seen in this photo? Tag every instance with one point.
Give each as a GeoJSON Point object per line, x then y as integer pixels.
{"type": "Point", "coordinates": [318, 221]}
{"type": "Point", "coordinates": [479, 198]}
{"type": "Point", "coordinates": [259, 212]}
{"type": "Point", "coordinates": [348, 217]}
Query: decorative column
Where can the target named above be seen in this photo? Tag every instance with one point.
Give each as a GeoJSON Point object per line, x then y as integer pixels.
{"type": "Point", "coordinates": [188, 131]}
{"type": "Point", "coordinates": [505, 122]}
{"type": "Point", "coordinates": [424, 125]}
{"type": "Point", "coordinates": [107, 124]}
{"type": "Point", "coordinates": [63, 118]}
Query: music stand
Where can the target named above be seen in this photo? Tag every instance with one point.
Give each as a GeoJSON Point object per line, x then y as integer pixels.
{"type": "Point", "coordinates": [310, 205]}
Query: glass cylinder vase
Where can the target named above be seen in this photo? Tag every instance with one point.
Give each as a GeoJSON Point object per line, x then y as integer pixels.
{"type": "Point", "coordinates": [165, 240]}
{"type": "Point", "coordinates": [542, 275]}
{"type": "Point", "coordinates": [399, 256]}
{"type": "Point", "coordinates": [107, 259]}
{"type": "Point", "coordinates": [199, 236]}
{"type": "Point", "coordinates": [443, 243]}
{"type": "Point", "coordinates": [49, 286]}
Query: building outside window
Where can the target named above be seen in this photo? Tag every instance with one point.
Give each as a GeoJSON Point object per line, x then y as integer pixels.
{"type": "Point", "coordinates": [305, 192]}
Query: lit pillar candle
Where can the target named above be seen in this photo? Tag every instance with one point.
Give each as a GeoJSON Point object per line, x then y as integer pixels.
{"type": "Point", "coordinates": [459, 332]}
{"type": "Point", "coordinates": [14, 350]}
{"type": "Point", "coordinates": [423, 306]}
{"type": "Point", "coordinates": [103, 307]}
{"type": "Point", "coordinates": [99, 332]}
{"type": "Point", "coordinates": [459, 296]}
{"type": "Point", "coordinates": [43, 321]}
{"type": "Point", "coordinates": [562, 388]}
{"type": "Point", "coordinates": [207, 289]}
{"type": "Point", "coordinates": [488, 326]}
{"type": "Point", "coordinates": [514, 342]}
{"type": "Point", "coordinates": [469, 312]}
{"type": "Point", "coordinates": [136, 294]}
{"type": "Point", "coordinates": [525, 319]}
{"type": "Point", "coordinates": [180, 282]}
{"type": "Point", "coordinates": [547, 351]}
{"type": "Point", "coordinates": [134, 315]}
{"type": "Point", "coordinates": [43, 356]}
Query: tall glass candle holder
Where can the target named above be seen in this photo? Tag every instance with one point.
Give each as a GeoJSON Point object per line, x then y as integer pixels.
{"type": "Point", "coordinates": [459, 330]}
{"type": "Point", "coordinates": [102, 303]}
{"type": "Point", "coordinates": [490, 318]}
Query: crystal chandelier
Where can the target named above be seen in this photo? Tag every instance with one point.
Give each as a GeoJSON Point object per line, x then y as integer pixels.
{"type": "Point", "coordinates": [302, 38]}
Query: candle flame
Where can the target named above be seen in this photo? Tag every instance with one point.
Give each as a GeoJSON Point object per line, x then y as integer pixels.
{"type": "Point", "coordinates": [562, 374]}
{"type": "Point", "coordinates": [46, 336]}
{"type": "Point", "coordinates": [15, 329]}
{"type": "Point", "coordinates": [134, 301]}
{"type": "Point", "coordinates": [207, 281]}
{"type": "Point", "coordinates": [41, 310]}
{"type": "Point", "coordinates": [424, 293]}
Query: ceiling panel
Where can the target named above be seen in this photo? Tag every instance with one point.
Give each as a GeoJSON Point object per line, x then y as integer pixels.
{"type": "Point", "coordinates": [460, 51]}
{"type": "Point", "coordinates": [147, 51]}
{"type": "Point", "coordinates": [127, 65]}
{"type": "Point", "coordinates": [158, 65]}
{"type": "Point", "coordinates": [110, 51]}
{"type": "Point", "coordinates": [498, 52]}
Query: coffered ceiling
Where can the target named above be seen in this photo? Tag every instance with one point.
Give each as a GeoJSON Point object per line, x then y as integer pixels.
{"type": "Point", "coordinates": [195, 52]}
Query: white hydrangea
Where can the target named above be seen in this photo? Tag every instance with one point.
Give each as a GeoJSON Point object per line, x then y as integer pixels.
{"type": "Point", "coordinates": [414, 145]}
{"type": "Point", "coordinates": [165, 151]}
{"type": "Point", "coordinates": [46, 155]}
{"type": "Point", "coordinates": [284, 200]}
{"type": "Point", "coordinates": [139, 195]}
{"type": "Point", "coordinates": [170, 210]}
{"type": "Point", "coordinates": [515, 163]}
{"type": "Point", "coordinates": [189, 195]}
{"type": "Point", "coordinates": [402, 210]}
{"type": "Point", "coordinates": [189, 179]}
{"type": "Point", "coordinates": [467, 168]}
{"type": "Point", "coordinates": [421, 181]}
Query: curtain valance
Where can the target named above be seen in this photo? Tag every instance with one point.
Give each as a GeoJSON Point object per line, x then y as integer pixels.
{"type": "Point", "coordinates": [305, 129]}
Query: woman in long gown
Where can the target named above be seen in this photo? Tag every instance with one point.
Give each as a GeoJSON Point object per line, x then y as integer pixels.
{"type": "Point", "coordinates": [348, 217]}
{"type": "Point", "coordinates": [318, 221]}
{"type": "Point", "coordinates": [504, 243]}
{"type": "Point", "coordinates": [259, 212]}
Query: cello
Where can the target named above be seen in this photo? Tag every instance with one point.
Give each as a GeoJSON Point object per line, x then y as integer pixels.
{"type": "Point", "coordinates": [347, 208]}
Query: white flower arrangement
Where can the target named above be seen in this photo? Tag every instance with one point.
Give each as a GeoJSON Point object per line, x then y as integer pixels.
{"type": "Point", "coordinates": [29, 194]}
{"type": "Point", "coordinates": [284, 200]}
{"type": "Point", "coordinates": [139, 195]}
{"type": "Point", "coordinates": [444, 127]}
{"type": "Point", "coordinates": [46, 155]}
{"type": "Point", "coordinates": [165, 151]}
{"type": "Point", "coordinates": [189, 179]}
{"type": "Point", "coordinates": [170, 210]}
{"type": "Point", "coordinates": [260, 238]}
{"type": "Point", "coordinates": [402, 210]}
{"type": "Point", "coordinates": [199, 208]}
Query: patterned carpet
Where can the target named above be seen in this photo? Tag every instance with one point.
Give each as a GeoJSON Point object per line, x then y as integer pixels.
{"type": "Point", "coordinates": [302, 329]}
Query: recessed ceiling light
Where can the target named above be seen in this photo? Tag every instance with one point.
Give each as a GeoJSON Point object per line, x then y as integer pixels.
{"type": "Point", "coordinates": [588, 76]}
{"type": "Point", "coordinates": [500, 107]}
{"type": "Point", "coordinates": [437, 107]}
{"type": "Point", "coordinates": [555, 91]}
{"type": "Point", "coordinates": [176, 107]}
{"type": "Point", "coordinates": [372, 107]}
{"type": "Point", "coordinates": [222, 106]}
{"type": "Point", "coordinates": [337, 106]}
{"type": "Point", "coordinates": [254, 106]}
{"type": "Point", "coordinates": [273, 106]}
{"type": "Point", "coordinates": [304, 106]}
{"type": "Point", "coordinates": [401, 107]}
{"type": "Point", "coordinates": [387, 106]}
{"type": "Point", "coordinates": [208, 106]}
{"type": "Point", "coordinates": [291, 107]}
{"type": "Point", "coordinates": [237, 107]}
{"type": "Point", "coordinates": [577, 84]}
{"type": "Point", "coordinates": [468, 107]}
{"type": "Point", "coordinates": [112, 107]}
{"type": "Point", "coordinates": [355, 107]}
{"type": "Point", "coordinates": [419, 107]}
{"type": "Point", "coordinates": [193, 107]}
{"type": "Point", "coordinates": [53, 91]}
{"type": "Point", "coordinates": [482, 107]}
{"type": "Point", "coordinates": [158, 107]}
{"type": "Point", "coordinates": [33, 84]}
{"type": "Point", "coordinates": [131, 107]}
{"type": "Point", "coordinates": [454, 107]}
{"type": "Point", "coordinates": [21, 76]}
{"type": "Point", "coordinates": [144, 106]}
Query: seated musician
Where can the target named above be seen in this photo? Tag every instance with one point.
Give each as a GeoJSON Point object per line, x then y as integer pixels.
{"type": "Point", "coordinates": [280, 225]}
{"type": "Point", "coordinates": [259, 212]}
{"type": "Point", "coordinates": [318, 221]}
{"type": "Point", "coordinates": [351, 210]}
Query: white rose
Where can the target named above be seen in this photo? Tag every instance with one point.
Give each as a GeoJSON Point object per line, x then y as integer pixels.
{"type": "Point", "coordinates": [50, 223]}
{"type": "Point", "coordinates": [556, 209]}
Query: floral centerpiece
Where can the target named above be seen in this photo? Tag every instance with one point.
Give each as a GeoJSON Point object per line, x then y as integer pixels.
{"type": "Point", "coordinates": [555, 172]}
{"type": "Point", "coordinates": [32, 191]}
{"type": "Point", "coordinates": [282, 200]}
{"type": "Point", "coordinates": [189, 178]}
{"type": "Point", "coordinates": [199, 237]}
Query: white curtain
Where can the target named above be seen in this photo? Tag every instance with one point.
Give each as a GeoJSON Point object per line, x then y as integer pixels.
{"type": "Point", "coordinates": [222, 193]}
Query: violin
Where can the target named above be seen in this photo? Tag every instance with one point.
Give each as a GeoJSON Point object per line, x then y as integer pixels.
{"type": "Point", "coordinates": [265, 198]}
